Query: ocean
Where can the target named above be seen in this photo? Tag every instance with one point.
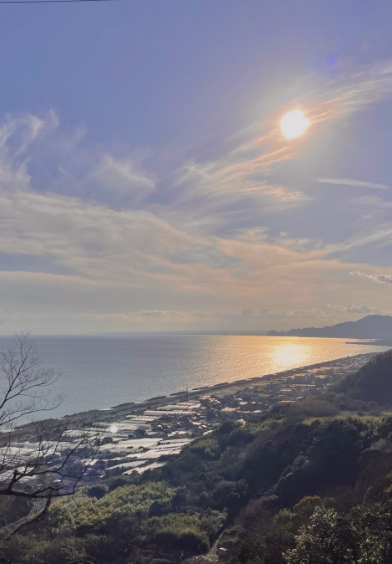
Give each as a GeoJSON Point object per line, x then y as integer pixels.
{"type": "Point", "coordinates": [103, 371]}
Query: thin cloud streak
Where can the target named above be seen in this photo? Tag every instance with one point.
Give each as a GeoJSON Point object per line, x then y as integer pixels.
{"type": "Point", "coordinates": [244, 175]}
{"type": "Point", "coordinates": [167, 257]}
{"type": "Point", "coordinates": [380, 236]}
{"type": "Point", "coordinates": [343, 96]}
{"type": "Point", "coordinates": [354, 183]}
{"type": "Point", "coordinates": [124, 177]}
{"type": "Point", "coordinates": [379, 278]}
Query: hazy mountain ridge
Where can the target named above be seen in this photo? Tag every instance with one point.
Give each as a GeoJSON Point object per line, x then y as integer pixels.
{"type": "Point", "coordinates": [369, 327]}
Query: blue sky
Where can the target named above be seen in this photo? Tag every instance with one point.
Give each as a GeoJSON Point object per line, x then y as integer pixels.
{"type": "Point", "coordinates": [144, 181]}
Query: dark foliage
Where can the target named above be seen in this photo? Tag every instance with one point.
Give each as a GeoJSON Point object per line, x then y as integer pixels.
{"type": "Point", "coordinates": [308, 484]}
{"type": "Point", "coordinates": [373, 382]}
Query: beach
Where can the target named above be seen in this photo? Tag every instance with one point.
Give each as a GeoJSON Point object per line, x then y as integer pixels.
{"type": "Point", "coordinates": [98, 372]}
{"type": "Point", "coordinates": [137, 437]}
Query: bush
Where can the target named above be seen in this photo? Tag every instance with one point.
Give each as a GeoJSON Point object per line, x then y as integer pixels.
{"type": "Point", "coordinates": [314, 406]}
{"type": "Point", "coordinates": [206, 447]}
{"type": "Point", "coordinates": [178, 531]}
{"type": "Point", "coordinates": [83, 512]}
{"type": "Point", "coordinates": [97, 491]}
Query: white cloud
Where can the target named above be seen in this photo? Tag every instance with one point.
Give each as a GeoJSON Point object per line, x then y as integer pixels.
{"type": "Point", "coordinates": [96, 240]}
{"type": "Point", "coordinates": [380, 278]}
{"type": "Point", "coordinates": [143, 264]}
{"type": "Point", "coordinates": [90, 238]}
{"type": "Point", "coordinates": [124, 176]}
{"type": "Point", "coordinates": [219, 188]}
{"type": "Point", "coordinates": [355, 183]}
{"type": "Point", "coordinates": [378, 237]}
{"type": "Point", "coordinates": [17, 133]}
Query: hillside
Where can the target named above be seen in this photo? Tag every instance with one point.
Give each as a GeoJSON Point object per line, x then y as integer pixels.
{"type": "Point", "coordinates": [372, 382]}
{"type": "Point", "coordinates": [370, 327]}
{"type": "Point", "coordinates": [306, 475]}
{"type": "Point", "coordinates": [311, 481]}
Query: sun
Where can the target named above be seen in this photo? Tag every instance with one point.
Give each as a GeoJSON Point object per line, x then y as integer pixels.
{"type": "Point", "coordinates": [293, 124]}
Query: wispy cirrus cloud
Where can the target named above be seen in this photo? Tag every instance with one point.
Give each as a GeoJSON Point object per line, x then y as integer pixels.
{"type": "Point", "coordinates": [375, 238]}
{"type": "Point", "coordinates": [99, 239]}
{"type": "Point", "coordinates": [380, 278]}
{"type": "Point", "coordinates": [236, 185]}
{"type": "Point", "coordinates": [354, 183]}
{"type": "Point", "coordinates": [124, 176]}
{"type": "Point", "coordinates": [18, 132]}
{"type": "Point", "coordinates": [215, 188]}
{"type": "Point", "coordinates": [244, 176]}
{"type": "Point", "coordinates": [88, 238]}
{"type": "Point", "coordinates": [349, 93]}
{"type": "Point", "coordinates": [326, 102]}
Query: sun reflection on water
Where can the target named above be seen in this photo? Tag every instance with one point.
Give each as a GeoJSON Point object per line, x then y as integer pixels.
{"type": "Point", "coordinates": [289, 354]}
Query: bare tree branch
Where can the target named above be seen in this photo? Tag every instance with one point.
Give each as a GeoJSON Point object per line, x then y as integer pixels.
{"type": "Point", "coordinates": [41, 460]}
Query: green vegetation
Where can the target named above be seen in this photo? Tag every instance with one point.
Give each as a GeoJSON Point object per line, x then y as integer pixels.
{"type": "Point", "coordinates": [373, 382]}
{"type": "Point", "coordinates": [83, 511]}
{"type": "Point", "coordinates": [311, 483]}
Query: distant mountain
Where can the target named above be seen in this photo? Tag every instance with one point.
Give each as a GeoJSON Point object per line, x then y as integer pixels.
{"type": "Point", "coordinates": [370, 327]}
{"type": "Point", "coordinates": [372, 382]}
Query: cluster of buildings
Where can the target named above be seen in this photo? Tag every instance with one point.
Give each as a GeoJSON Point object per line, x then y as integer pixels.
{"type": "Point", "coordinates": [136, 437]}
{"type": "Point", "coordinates": [139, 437]}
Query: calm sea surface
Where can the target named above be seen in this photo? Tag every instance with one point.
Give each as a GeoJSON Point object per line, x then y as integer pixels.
{"type": "Point", "coordinates": [103, 371]}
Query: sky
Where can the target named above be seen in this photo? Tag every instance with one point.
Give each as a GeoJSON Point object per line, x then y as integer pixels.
{"type": "Point", "coordinates": [145, 184]}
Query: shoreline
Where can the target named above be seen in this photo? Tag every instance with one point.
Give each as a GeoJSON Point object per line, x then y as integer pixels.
{"type": "Point", "coordinates": [99, 415]}
{"type": "Point", "coordinates": [137, 437]}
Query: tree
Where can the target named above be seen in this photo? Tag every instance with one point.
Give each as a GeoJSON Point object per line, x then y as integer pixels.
{"type": "Point", "coordinates": [39, 460]}
{"type": "Point", "coordinates": [362, 536]}
{"type": "Point", "coordinates": [326, 539]}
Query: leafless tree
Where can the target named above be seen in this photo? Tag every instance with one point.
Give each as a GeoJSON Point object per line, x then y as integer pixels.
{"type": "Point", "coordinates": [40, 460]}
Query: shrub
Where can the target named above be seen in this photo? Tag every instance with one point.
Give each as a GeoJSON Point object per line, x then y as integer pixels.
{"type": "Point", "coordinates": [206, 447]}
{"type": "Point", "coordinates": [178, 531]}
{"type": "Point", "coordinates": [97, 491]}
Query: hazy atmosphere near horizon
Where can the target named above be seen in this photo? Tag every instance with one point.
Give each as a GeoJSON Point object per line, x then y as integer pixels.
{"type": "Point", "coordinates": [147, 182]}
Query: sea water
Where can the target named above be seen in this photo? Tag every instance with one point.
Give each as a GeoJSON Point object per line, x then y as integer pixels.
{"type": "Point", "coordinates": [103, 371]}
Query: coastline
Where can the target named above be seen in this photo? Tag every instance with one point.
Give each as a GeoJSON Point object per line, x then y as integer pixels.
{"type": "Point", "coordinates": [158, 401]}
{"type": "Point", "coordinates": [137, 437]}
{"type": "Point", "coordinates": [376, 342]}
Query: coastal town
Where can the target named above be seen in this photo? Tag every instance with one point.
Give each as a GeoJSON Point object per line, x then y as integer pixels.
{"type": "Point", "coordinates": [137, 437]}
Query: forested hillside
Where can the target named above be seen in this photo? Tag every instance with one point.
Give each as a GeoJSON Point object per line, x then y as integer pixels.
{"type": "Point", "coordinates": [311, 482]}
{"type": "Point", "coordinates": [373, 382]}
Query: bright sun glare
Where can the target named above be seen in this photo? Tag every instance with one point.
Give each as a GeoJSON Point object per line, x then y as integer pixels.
{"type": "Point", "coordinates": [293, 124]}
